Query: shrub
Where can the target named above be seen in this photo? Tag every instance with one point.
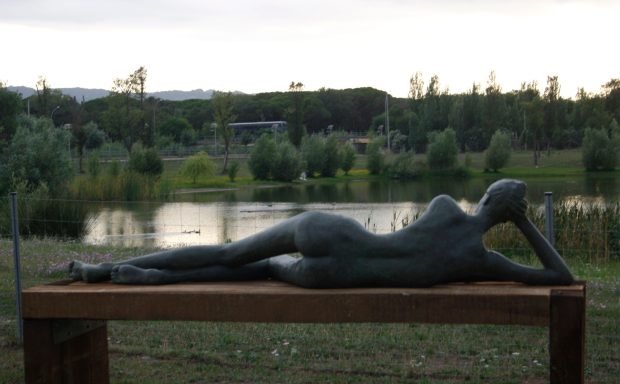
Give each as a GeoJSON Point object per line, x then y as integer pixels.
{"type": "Point", "coordinates": [600, 151]}
{"type": "Point", "coordinates": [93, 164]}
{"type": "Point", "coordinates": [197, 165]}
{"type": "Point", "coordinates": [287, 163]}
{"type": "Point", "coordinates": [331, 157]}
{"type": "Point", "coordinates": [375, 157]}
{"type": "Point", "coordinates": [442, 150]}
{"type": "Point", "coordinates": [347, 157]}
{"type": "Point", "coordinates": [145, 161]}
{"type": "Point", "coordinates": [313, 153]}
{"type": "Point", "coordinates": [261, 157]}
{"type": "Point", "coordinates": [405, 166]}
{"type": "Point", "coordinates": [498, 152]}
{"type": "Point", "coordinates": [233, 168]}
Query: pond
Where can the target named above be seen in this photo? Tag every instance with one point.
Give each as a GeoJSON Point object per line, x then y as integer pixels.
{"type": "Point", "coordinates": [229, 215]}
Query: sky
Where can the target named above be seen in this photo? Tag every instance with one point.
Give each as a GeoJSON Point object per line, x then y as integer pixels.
{"type": "Point", "coordinates": [262, 45]}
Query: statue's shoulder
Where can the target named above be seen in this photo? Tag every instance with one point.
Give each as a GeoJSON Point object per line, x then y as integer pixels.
{"type": "Point", "coordinates": [444, 203]}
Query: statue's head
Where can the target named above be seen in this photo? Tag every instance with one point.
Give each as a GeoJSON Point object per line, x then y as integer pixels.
{"type": "Point", "coordinates": [501, 199]}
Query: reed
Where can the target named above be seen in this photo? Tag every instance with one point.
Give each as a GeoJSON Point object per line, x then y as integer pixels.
{"type": "Point", "coordinates": [124, 186]}
{"type": "Point", "coordinates": [587, 231]}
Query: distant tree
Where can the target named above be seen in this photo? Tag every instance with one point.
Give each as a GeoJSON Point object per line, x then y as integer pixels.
{"type": "Point", "coordinates": [43, 96]}
{"type": "Point", "coordinates": [287, 164]}
{"type": "Point", "coordinates": [296, 129]}
{"type": "Point", "coordinates": [498, 152]}
{"type": "Point", "coordinates": [223, 115]}
{"type": "Point", "coordinates": [600, 151]}
{"type": "Point", "coordinates": [331, 156]}
{"type": "Point", "coordinates": [261, 156]}
{"type": "Point", "coordinates": [551, 122]}
{"type": "Point", "coordinates": [533, 110]}
{"type": "Point", "coordinates": [313, 153]}
{"type": "Point", "coordinates": [374, 156]}
{"type": "Point", "coordinates": [173, 128]}
{"type": "Point", "coordinates": [197, 165]}
{"type": "Point", "coordinates": [132, 121]}
{"type": "Point", "coordinates": [494, 108]}
{"type": "Point", "coordinates": [10, 106]}
{"type": "Point", "coordinates": [611, 90]}
{"type": "Point", "coordinates": [442, 150]}
{"type": "Point", "coordinates": [347, 157]}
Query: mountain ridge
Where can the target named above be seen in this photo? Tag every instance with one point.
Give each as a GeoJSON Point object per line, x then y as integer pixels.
{"type": "Point", "coordinates": [88, 94]}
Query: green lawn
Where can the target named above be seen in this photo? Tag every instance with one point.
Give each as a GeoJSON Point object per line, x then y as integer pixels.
{"type": "Point", "coordinates": [164, 352]}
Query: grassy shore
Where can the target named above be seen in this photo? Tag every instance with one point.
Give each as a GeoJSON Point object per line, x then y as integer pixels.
{"type": "Point", "coordinates": [164, 352]}
{"type": "Point", "coordinates": [556, 163]}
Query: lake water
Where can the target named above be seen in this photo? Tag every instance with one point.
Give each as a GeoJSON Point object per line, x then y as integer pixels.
{"type": "Point", "coordinates": [217, 217]}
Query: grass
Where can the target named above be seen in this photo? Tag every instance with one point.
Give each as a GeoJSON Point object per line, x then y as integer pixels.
{"type": "Point", "coordinates": [163, 352]}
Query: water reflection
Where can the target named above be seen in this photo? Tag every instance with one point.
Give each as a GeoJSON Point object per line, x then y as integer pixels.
{"type": "Point", "coordinates": [215, 218]}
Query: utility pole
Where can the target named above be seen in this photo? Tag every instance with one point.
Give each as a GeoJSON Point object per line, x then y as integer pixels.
{"type": "Point", "coordinates": [387, 120]}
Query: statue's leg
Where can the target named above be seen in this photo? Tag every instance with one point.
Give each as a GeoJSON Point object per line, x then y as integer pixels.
{"type": "Point", "coordinates": [129, 274]}
{"type": "Point", "coordinates": [309, 272]}
{"type": "Point", "coordinates": [277, 240]}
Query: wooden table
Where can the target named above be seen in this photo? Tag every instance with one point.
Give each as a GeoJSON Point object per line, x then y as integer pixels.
{"type": "Point", "coordinates": [65, 334]}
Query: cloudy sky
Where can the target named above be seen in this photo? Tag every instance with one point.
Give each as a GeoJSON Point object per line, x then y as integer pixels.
{"type": "Point", "coordinates": [263, 45]}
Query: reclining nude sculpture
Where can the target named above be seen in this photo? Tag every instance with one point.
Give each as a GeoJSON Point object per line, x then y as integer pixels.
{"type": "Point", "coordinates": [444, 245]}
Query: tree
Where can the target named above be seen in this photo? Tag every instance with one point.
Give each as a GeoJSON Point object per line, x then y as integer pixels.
{"type": "Point", "coordinates": [197, 165]}
{"type": "Point", "coordinates": [332, 157]}
{"type": "Point", "coordinates": [551, 96]}
{"type": "Point", "coordinates": [600, 150]}
{"type": "Point", "coordinates": [286, 165]}
{"type": "Point", "coordinates": [611, 90]}
{"type": "Point", "coordinates": [174, 127]}
{"type": "Point", "coordinates": [498, 152]}
{"type": "Point", "coordinates": [43, 96]}
{"type": "Point", "coordinates": [442, 150]}
{"type": "Point", "coordinates": [533, 112]}
{"type": "Point", "coordinates": [223, 116]}
{"type": "Point", "coordinates": [261, 157]}
{"type": "Point", "coordinates": [374, 156]}
{"type": "Point", "coordinates": [313, 153]}
{"type": "Point", "coordinates": [37, 155]}
{"type": "Point", "coordinates": [347, 156]}
{"type": "Point", "coordinates": [10, 106]}
{"type": "Point", "coordinates": [296, 129]}
{"type": "Point", "coordinates": [132, 123]}
{"type": "Point", "coordinates": [494, 108]}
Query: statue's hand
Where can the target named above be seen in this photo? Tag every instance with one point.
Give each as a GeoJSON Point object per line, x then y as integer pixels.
{"type": "Point", "coordinates": [517, 211]}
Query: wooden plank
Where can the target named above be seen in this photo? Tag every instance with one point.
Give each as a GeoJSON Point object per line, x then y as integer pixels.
{"type": "Point", "coordinates": [83, 359]}
{"type": "Point", "coordinates": [271, 301]}
{"type": "Point", "coordinates": [567, 337]}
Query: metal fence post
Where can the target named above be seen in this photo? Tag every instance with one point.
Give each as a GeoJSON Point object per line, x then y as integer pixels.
{"type": "Point", "coordinates": [549, 217]}
{"type": "Point", "coordinates": [18, 283]}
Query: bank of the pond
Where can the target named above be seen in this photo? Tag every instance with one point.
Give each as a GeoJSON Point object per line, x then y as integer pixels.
{"type": "Point", "coordinates": [555, 164]}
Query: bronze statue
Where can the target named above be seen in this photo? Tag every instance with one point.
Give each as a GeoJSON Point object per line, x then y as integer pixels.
{"type": "Point", "coordinates": [443, 245]}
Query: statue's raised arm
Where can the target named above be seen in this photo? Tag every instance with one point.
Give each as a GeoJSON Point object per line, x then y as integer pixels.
{"type": "Point", "coordinates": [443, 245]}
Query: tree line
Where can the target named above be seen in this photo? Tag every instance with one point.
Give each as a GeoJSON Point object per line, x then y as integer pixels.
{"type": "Point", "coordinates": [533, 117]}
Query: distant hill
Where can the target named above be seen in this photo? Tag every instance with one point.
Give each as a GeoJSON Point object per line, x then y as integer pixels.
{"type": "Point", "coordinates": [89, 93]}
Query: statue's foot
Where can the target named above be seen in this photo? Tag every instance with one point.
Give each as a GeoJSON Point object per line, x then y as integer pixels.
{"type": "Point", "coordinates": [90, 273]}
{"type": "Point", "coordinates": [75, 270]}
{"type": "Point", "coordinates": [129, 274]}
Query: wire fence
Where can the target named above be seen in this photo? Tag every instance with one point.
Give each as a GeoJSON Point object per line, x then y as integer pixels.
{"type": "Point", "coordinates": [587, 236]}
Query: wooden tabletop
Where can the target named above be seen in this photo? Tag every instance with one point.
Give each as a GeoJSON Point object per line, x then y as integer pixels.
{"type": "Point", "coordinates": [273, 301]}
